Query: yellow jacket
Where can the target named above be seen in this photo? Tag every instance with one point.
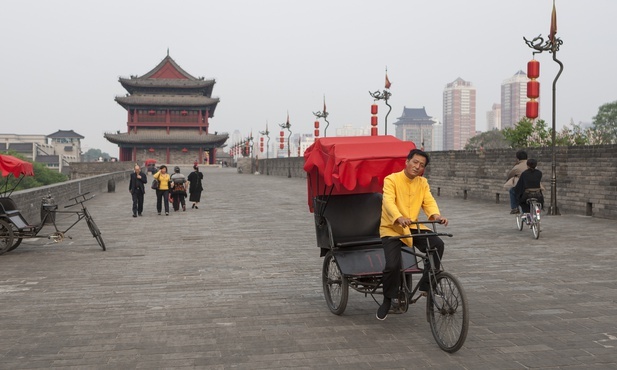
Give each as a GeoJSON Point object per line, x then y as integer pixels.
{"type": "Point", "coordinates": [163, 180]}
{"type": "Point", "coordinates": [403, 197]}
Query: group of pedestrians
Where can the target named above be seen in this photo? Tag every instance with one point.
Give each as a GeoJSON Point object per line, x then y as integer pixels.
{"type": "Point", "coordinates": [169, 187]}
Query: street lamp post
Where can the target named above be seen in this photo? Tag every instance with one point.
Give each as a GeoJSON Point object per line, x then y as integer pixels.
{"type": "Point", "coordinates": [323, 115]}
{"type": "Point", "coordinates": [383, 95]}
{"type": "Point", "coordinates": [266, 134]}
{"type": "Point", "coordinates": [287, 126]}
{"type": "Point", "coordinates": [552, 46]}
{"type": "Point", "coordinates": [249, 143]}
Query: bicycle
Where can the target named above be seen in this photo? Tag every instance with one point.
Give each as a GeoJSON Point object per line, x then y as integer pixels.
{"type": "Point", "coordinates": [20, 229]}
{"type": "Point", "coordinates": [446, 303]}
{"type": "Point", "coordinates": [531, 219]}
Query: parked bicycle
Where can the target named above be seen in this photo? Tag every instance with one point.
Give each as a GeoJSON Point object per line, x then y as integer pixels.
{"type": "Point", "coordinates": [13, 225]}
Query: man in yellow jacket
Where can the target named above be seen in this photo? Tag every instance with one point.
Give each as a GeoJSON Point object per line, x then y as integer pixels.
{"type": "Point", "coordinates": [405, 193]}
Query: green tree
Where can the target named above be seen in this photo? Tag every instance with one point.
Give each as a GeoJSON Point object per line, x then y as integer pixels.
{"type": "Point", "coordinates": [492, 139]}
{"type": "Point", "coordinates": [93, 154]}
{"type": "Point", "coordinates": [42, 176]}
{"type": "Point", "coordinates": [605, 123]}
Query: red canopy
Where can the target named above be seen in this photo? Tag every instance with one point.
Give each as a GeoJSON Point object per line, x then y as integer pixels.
{"type": "Point", "coordinates": [150, 161]}
{"type": "Point", "coordinates": [15, 166]}
{"type": "Point", "coordinates": [353, 164]}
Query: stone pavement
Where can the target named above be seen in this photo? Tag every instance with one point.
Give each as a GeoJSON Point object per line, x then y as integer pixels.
{"type": "Point", "coordinates": [237, 284]}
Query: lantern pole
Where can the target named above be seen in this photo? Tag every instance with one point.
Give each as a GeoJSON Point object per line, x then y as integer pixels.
{"type": "Point", "coordinates": [384, 95]}
{"type": "Point", "coordinates": [266, 134]}
{"type": "Point", "coordinates": [323, 115]}
{"type": "Point", "coordinates": [552, 46]}
{"type": "Point", "coordinates": [287, 126]}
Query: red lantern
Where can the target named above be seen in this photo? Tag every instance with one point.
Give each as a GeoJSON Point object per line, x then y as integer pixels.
{"type": "Point", "coordinates": [533, 89]}
{"type": "Point", "coordinates": [373, 120]}
{"type": "Point", "coordinates": [316, 124]}
{"type": "Point", "coordinates": [184, 113]}
{"type": "Point", "coordinates": [184, 150]}
{"type": "Point", "coordinates": [532, 109]}
{"type": "Point", "coordinates": [373, 131]}
{"type": "Point", "coordinates": [282, 133]}
{"type": "Point", "coordinates": [316, 133]}
{"type": "Point", "coordinates": [281, 146]}
{"type": "Point", "coordinates": [533, 69]}
{"type": "Point", "coordinates": [151, 150]}
{"type": "Point", "coordinates": [374, 109]}
{"type": "Point", "coordinates": [151, 112]}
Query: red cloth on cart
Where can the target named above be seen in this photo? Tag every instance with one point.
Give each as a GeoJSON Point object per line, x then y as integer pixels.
{"type": "Point", "coordinates": [352, 164]}
{"type": "Point", "coordinates": [15, 166]}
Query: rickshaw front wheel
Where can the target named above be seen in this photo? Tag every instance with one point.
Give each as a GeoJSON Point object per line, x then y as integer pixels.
{"type": "Point", "coordinates": [335, 285]}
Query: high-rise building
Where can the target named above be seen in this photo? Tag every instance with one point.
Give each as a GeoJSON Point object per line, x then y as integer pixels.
{"type": "Point", "coordinates": [417, 126]}
{"type": "Point", "coordinates": [513, 99]}
{"type": "Point", "coordinates": [493, 118]}
{"type": "Point", "coordinates": [459, 114]}
{"type": "Point", "coordinates": [437, 136]}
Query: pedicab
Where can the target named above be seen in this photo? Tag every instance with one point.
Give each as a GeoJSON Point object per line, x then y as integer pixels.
{"type": "Point", "coordinates": [13, 225]}
{"type": "Point", "coordinates": [345, 178]}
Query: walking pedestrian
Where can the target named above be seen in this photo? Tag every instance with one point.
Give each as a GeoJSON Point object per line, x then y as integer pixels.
{"type": "Point", "coordinates": [195, 186]}
{"type": "Point", "coordinates": [178, 189]}
{"type": "Point", "coordinates": [162, 192]}
{"type": "Point", "coordinates": [137, 190]}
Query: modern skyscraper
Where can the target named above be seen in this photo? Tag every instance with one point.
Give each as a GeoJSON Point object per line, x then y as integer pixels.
{"type": "Point", "coordinates": [459, 114]}
{"type": "Point", "coordinates": [493, 118]}
{"type": "Point", "coordinates": [513, 99]}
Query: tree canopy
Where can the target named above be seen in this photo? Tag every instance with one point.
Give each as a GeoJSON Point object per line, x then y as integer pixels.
{"type": "Point", "coordinates": [605, 124]}
{"type": "Point", "coordinates": [42, 176]}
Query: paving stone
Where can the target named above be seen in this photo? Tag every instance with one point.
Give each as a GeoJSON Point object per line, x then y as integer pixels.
{"type": "Point", "coordinates": [237, 284]}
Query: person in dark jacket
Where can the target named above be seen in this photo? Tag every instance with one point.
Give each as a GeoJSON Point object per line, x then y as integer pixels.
{"type": "Point", "coordinates": [195, 186]}
{"type": "Point", "coordinates": [528, 185]}
{"type": "Point", "coordinates": [137, 190]}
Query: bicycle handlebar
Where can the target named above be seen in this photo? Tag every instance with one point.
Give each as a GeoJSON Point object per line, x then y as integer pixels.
{"type": "Point", "coordinates": [423, 235]}
{"type": "Point", "coordinates": [79, 201]}
{"type": "Point", "coordinates": [80, 195]}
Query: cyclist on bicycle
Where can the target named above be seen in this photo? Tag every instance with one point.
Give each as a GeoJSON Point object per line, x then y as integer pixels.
{"type": "Point", "coordinates": [404, 194]}
{"type": "Point", "coordinates": [528, 185]}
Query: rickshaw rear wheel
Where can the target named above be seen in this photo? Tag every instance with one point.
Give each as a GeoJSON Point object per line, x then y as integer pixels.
{"type": "Point", "coordinates": [16, 240]}
{"type": "Point", "coordinates": [448, 313]}
{"type": "Point", "coordinates": [6, 236]}
{"type": "Point", "coordinates": [335, 285]}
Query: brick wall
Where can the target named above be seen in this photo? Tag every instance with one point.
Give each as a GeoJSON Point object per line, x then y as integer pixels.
{"type": "Point", "coordinates": [586, 176]}
{"type": "Point", "coordinates": [29, 201]}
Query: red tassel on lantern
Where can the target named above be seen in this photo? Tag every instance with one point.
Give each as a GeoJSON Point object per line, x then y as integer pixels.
{"type": "Point", "coordinates": [532, 109]}
{"type": "Point", "coordinates": [533, 69]}
{"type": "Point", "coordinates": [374, 109]}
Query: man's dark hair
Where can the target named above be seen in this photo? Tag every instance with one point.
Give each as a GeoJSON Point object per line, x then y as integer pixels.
{"type": "Point", "coordinates": [532, 163]}
{"type": "Point", "coordinates": [521, 154]}
{"type": "Point", "coordinates": [418, 152]}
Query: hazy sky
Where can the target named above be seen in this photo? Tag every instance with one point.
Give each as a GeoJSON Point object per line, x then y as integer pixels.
{"type": "Point", "coordinates": [62, 59]}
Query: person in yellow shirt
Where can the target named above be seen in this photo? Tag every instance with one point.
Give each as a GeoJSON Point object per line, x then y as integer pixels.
{"type": "Point", "coordinates": [405, 193]}
{"type": "Point", "coordinates": [162, 193]}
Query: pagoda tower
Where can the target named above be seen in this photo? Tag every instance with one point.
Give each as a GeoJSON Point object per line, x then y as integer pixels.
{"type": "Point", "coordinates": [168, 113]}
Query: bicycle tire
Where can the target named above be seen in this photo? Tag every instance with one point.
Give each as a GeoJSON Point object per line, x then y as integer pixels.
{"type": "Point", "coordinates": [535, 222]}
{"type": "Point", "coordinates": [335, 285]}
{"type": "Point", "coordinates": [6, 237]}
{"type": "Point", "coordinates": [16, 241]}
{"type": "Point", "coordinates": [96, 233]}
{"type": "Point", "coordinates": [448, 312]}
{"type": "Point", "coordinates": [519, 222]}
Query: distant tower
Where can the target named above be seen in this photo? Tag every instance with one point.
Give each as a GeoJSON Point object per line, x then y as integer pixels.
{"type": "Point", "coordinates": [417, 126]}
{"type": "Point", "coordinates": [437, 136]}
{"type": "Point", "coordinates": [168, 117]}
{"type": "Point", "coordinates": [513, 99]}
{"type": "Point", "coordinates": [459, 114]}
{"type": "Point", "coordinates": [493, 118]}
